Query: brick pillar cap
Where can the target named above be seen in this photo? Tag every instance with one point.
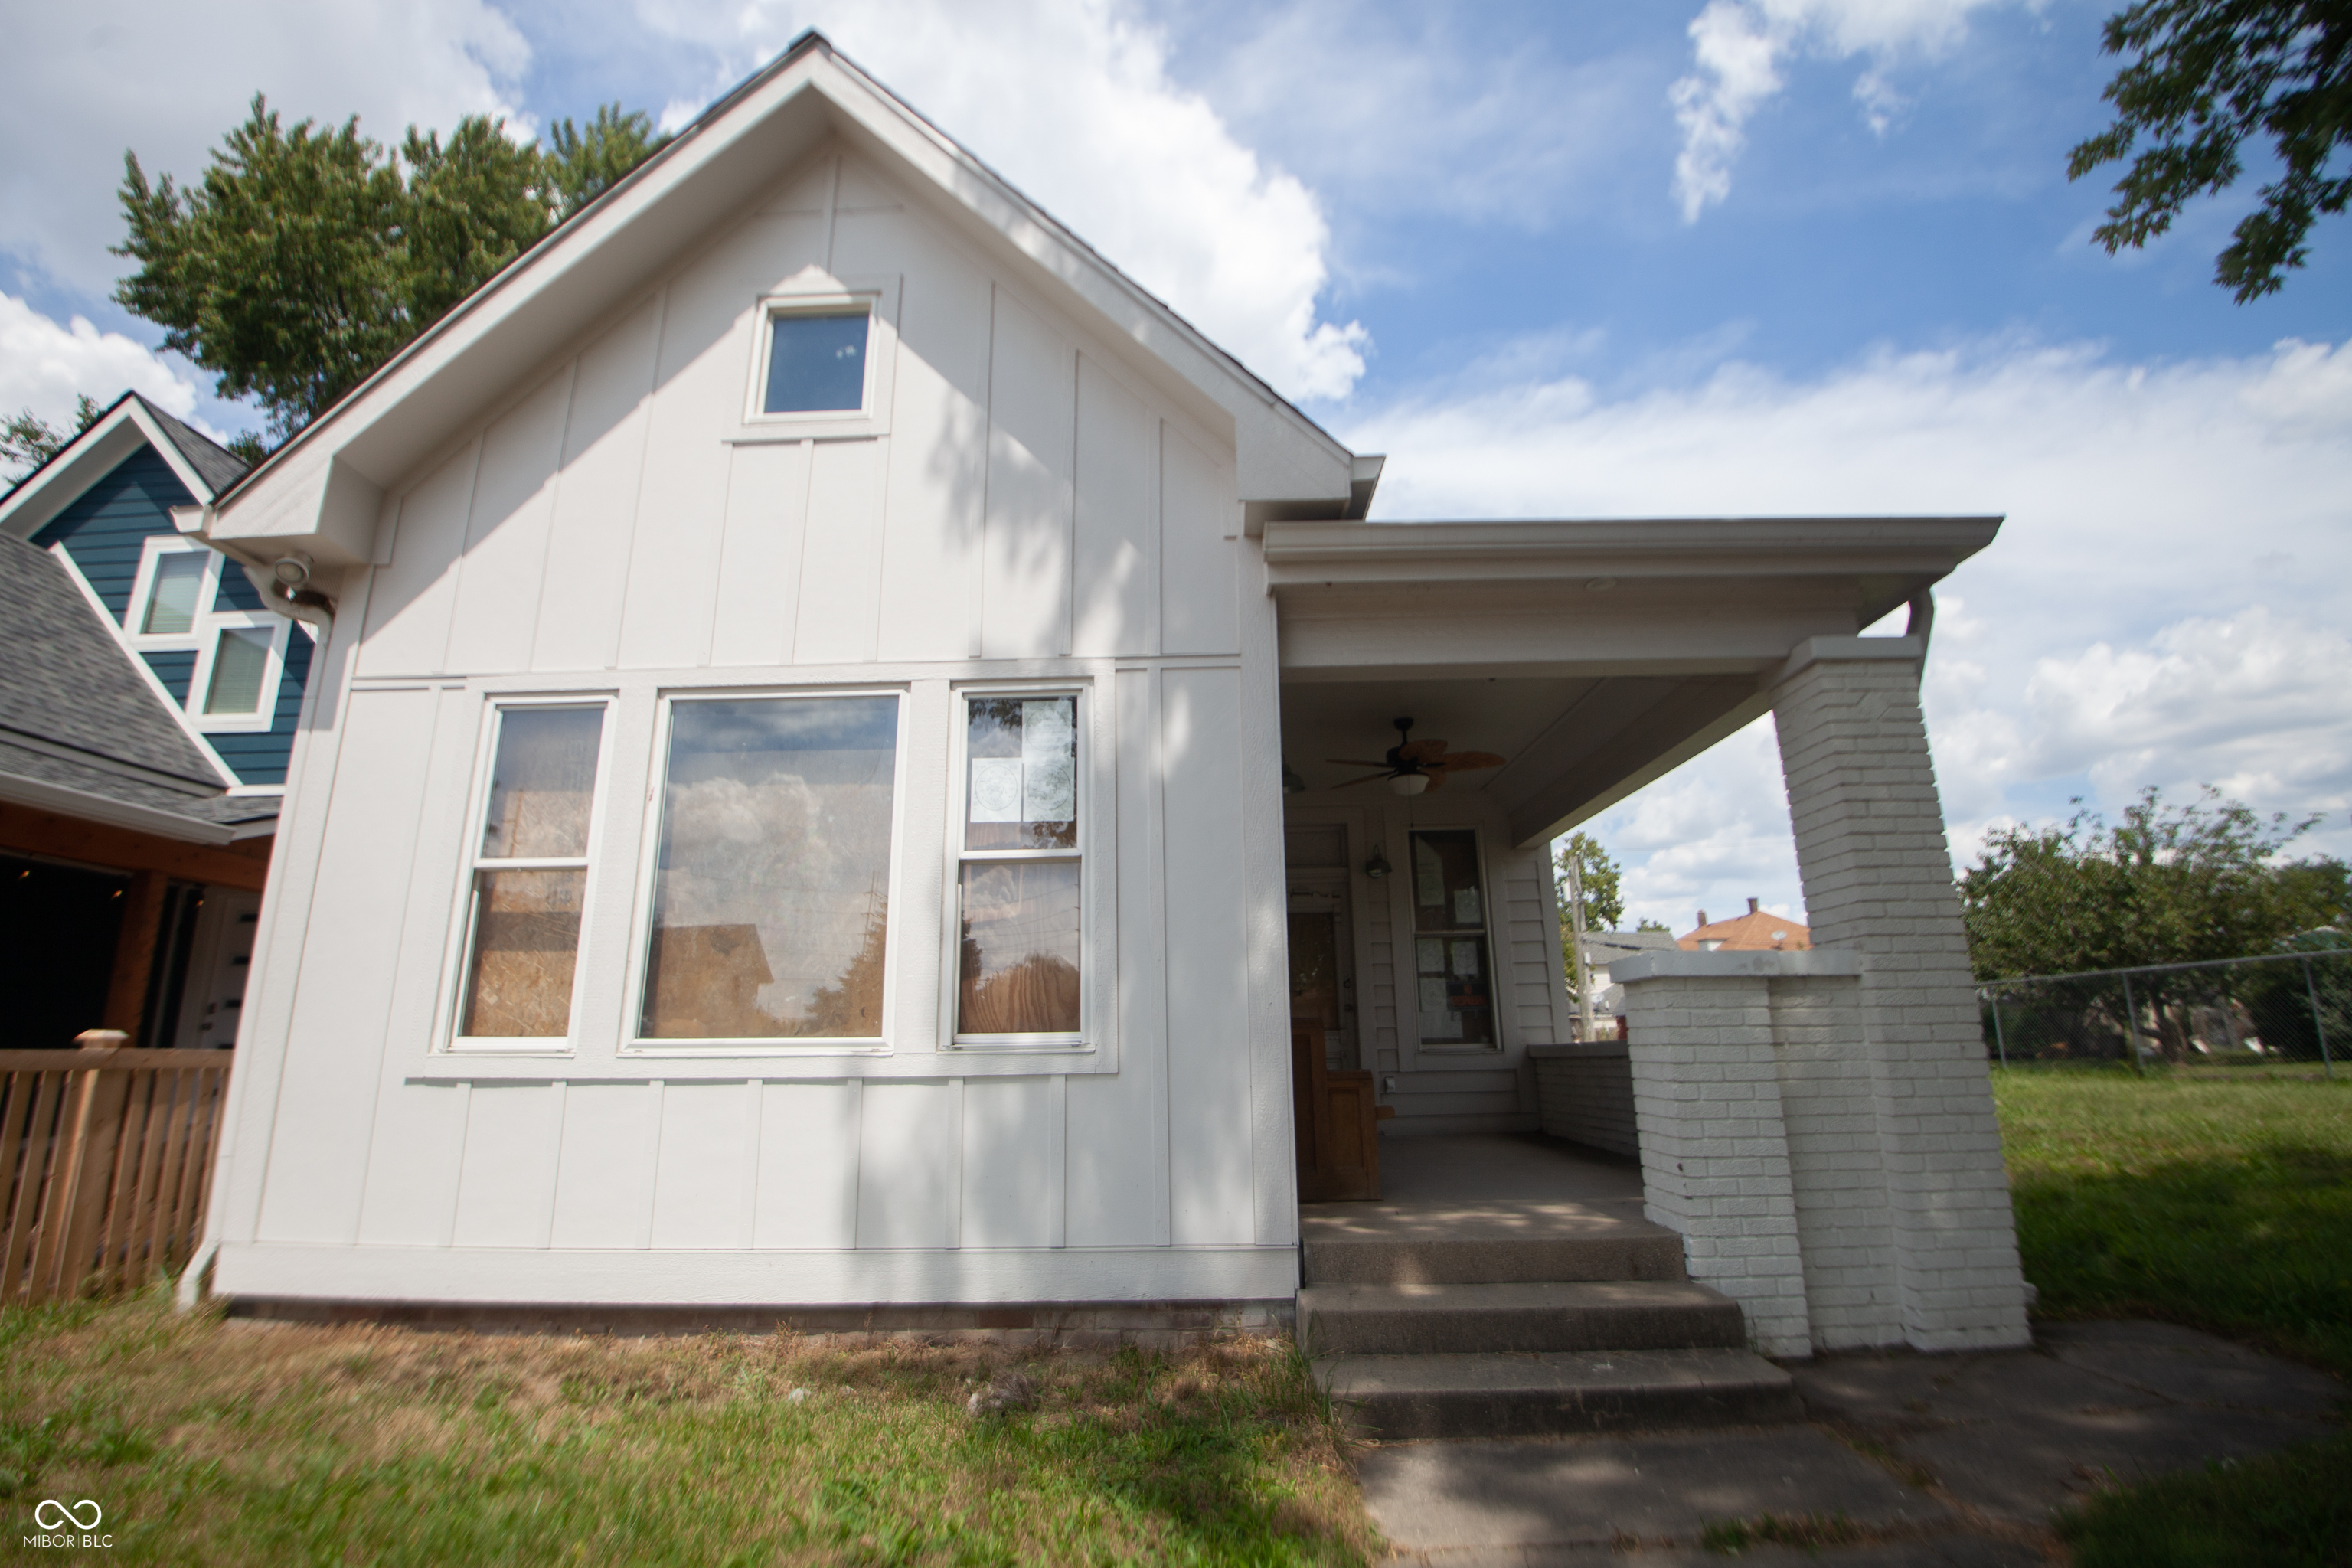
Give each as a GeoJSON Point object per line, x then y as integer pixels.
{"type": "Point", "coordinates": [1826, 650]}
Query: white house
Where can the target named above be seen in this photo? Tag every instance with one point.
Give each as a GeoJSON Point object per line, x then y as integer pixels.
{"type": "Point", "coordinates": [792, 814]}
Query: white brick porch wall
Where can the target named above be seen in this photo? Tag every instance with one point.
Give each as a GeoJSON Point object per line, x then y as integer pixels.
{"type": "Point", "coordinates": [1715, 1151]}
{"type": "Point", "coordinates": [1877, 876]}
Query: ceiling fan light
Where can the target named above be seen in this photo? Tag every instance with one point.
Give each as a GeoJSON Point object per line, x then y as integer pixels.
{"type": "Point", "coordinates": [1410, 783]}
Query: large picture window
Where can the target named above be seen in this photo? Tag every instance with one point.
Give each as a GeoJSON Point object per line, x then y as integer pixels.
{"type": "Point", "coordinates": [530, 876]}
{"type": "Point", "coordinates": [1453, 961]}
{"type": "Point", "coordinates": [771, 878]}
{"type": "Point", "coordinates": [1017, 885]}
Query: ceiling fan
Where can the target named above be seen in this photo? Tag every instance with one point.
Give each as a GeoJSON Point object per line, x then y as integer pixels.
{"type": "Point", "coordinates": [1412, 766]}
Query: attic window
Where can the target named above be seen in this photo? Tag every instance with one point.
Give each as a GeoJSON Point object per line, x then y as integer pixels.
{"type": "Point", "coordinates": [817, 361]}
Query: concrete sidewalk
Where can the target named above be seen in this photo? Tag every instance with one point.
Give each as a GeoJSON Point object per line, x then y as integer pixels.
{"type": "Point", "coordinates": [1937, 1459]}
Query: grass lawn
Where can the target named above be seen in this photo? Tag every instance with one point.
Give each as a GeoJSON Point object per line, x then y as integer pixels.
{"type": "Point", "coordinates": [2220, 1201]}
{"type": "Point", "coordinates": [219, 1441]}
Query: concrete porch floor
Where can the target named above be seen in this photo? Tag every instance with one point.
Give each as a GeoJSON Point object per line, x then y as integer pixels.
{"type": "Point", "coordinates": [1487, 1186]}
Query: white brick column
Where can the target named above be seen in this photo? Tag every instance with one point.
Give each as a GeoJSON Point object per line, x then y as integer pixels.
{"type": "Point", "coordinates": [1715, 1156]}
{"type": "Point", "coordinates": [1877, 876]}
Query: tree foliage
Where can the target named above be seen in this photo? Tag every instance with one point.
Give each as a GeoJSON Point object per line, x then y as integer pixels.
{"type": "Point", "coordinates": [27, 440]}
{"type": "Point", "coordinates": [2170, 884]}
{"type": "Point", "coordinates": [2206, 76]}
{"type": "Point", "coordinates": [306, 257]}
{"type": "Point", "coordinates": [1604, 899]}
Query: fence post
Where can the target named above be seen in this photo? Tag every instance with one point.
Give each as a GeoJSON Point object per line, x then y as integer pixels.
{"type": "Point", "coordinates": [1998, 1043]}
{"type": "Point", "coordinates": [2327, 1065]}
{"type": "Point", "coordinates": [2131, 1028]}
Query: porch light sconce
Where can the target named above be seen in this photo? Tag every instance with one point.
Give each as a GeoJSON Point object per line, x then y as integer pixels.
{"type": "Point", "coordinates": [1291, 782]}
{"type": "Point", "coordinates": [1409, 785]}
{"type": "Point", "coordinates": [1377, 865]}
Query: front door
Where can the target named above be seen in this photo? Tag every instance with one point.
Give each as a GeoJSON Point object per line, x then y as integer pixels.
{"type": "Point", "coordinates": [1323, 965]}
{"type": "Point", "coordinates": [217, 965]}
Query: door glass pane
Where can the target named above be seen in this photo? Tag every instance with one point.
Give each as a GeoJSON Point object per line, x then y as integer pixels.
{"type": "Point", "coordinates": [1022, 754]}
{"type": "Point", "coordinates": [526, 944]}
{"type": "Point", "coordinates": [172, 604]}
{"type": "Point", "coordinates": [817, 364]}
{"type": "Point", "coordinates": [1020, 955]}
{"type": "Point", "coordinates": [1452, 973]}
{"type": "Point", "coordinates": [542, 783]}
{"type": "Point", "coordinates": [239, 661]}
{"type": "Point", "coordinates": [772, 889]}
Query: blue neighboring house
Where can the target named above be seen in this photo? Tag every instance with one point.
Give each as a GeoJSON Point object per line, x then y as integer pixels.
{"type": "Point", "coordinates": [148, 704]}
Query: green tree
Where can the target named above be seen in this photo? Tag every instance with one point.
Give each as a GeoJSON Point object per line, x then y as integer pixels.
{"type": "Point", "coordinates": [583, 164]}
{"type": "Point", "coordinates": [2209, 74]}
{"type": "Point", "coordinates": [1605, 900]}
{"type": "Point", "coordinates": [27, 440]}
{"type": "Point", "coordinates": [305, 258]}
{"type": "Point", "coordinates": [2170, 884]}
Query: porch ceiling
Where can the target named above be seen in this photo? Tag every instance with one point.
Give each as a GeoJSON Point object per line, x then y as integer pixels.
{"type": "Point", "coordinates": [1595, 656]}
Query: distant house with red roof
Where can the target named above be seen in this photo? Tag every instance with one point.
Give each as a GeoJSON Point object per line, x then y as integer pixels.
{"type": "Point", "coordinates": [1757, 931]}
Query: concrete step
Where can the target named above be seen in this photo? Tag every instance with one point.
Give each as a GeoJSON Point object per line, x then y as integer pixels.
{"type": "Point", "coordinates": [1492, 1256]}
{"type": "Point", "coordinates": [1399, 1397]}
{"type": "Point", "coordinates": [1436, 1319]}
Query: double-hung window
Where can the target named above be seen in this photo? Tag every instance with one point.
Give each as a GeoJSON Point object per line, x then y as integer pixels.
{"type": "Point", "coordinates": [1018, 873]}
{"type": "Point", "coordinates": [770, 893]}
{"type": "Point", "coordinates": [1454, 967]}
{"type": "Point", "coordinates": [528, 881]}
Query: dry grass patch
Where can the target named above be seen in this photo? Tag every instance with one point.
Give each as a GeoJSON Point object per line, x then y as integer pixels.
{"type": "Point", "coordinates": [212, 1440]}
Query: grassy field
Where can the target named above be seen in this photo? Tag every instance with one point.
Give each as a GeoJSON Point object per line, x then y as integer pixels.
{"type": "Point", "coordinates": [2217, 1201]}
{"type": "Point", "coordinates": [2224, 1203]}
{"type": "Point", "coordinates": [213, 1441]}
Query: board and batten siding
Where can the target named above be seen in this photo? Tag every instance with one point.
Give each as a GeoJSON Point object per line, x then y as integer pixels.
{"type": "Point", "coordinates": [1033, 508]}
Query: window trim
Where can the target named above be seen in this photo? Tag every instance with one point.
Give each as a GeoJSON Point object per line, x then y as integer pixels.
{"type": "Point", "coordinates": [1494, 989]}
{"type": "Point", "coordinates": [203, 638]}
{"type": "Point", "coordinates": [633, 1045]}
{"type": "Point", "coordinates": [1090, 1007]}
{"type": "Point", "coordinates": [461, 923]}
{"type": "Point", "coordinates": [814, 294]}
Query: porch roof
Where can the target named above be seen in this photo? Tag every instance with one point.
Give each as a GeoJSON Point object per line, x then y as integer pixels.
{"type": "Point", "coordinates": [1596, 655]}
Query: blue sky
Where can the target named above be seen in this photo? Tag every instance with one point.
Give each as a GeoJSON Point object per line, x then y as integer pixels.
{"type": "Point", "coordinates": [1730, 256]}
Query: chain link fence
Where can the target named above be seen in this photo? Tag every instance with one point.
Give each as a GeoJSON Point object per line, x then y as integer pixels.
{"type": "Point", "coordinates": [2290, 1007]}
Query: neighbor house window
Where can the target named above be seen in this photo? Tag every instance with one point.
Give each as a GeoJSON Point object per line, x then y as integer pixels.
{"type": "Point", "coordinates": [173, 587]}
{"type": "Point", "coordinates": [185, 616]}
{"type": "Point", "coordinates": [529, 874]}
{"type": "Point", "coordinates": [1451, 959]}
{"type": "Point", "coordinates": [817, 361]}
{"type": "Point", "coordinates": [772, 878]}
{"type": "Point", "coordinates": [1017, 885]}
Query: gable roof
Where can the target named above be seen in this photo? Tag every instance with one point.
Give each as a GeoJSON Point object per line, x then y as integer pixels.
{"type": "Point", "coordinates": [321, 492]}
{"type": "Point", "coordinates": [202, 464]}
{"type": "Point", "coordinates": [80, 730]}
{"type": "Point", "coordinates": [1757, 931]}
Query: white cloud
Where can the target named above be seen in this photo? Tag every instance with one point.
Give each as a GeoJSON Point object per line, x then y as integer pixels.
{"type": "Point", "coordinates": [1710, 836]}
{"type": "Point", "coordinates": [2161, 607]}
{"type": "Point", "coordinates": [1071, 101]}
{"type": "Point", "coordinates": [44, 365]}
{"type": "Point", "coordinates": [167, 81]}
{"type": "Point", "coordinates": [1738, 48]}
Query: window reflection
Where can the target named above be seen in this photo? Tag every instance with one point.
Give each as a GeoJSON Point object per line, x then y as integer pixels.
{"type": "Point", "coordinates": [772, 889]}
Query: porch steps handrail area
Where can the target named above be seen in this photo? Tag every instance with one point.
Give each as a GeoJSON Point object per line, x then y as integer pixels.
{"type": "Point", "coordinates": [106, 1158]}
{"type": "Point", "coordinates": [1497, 1320]}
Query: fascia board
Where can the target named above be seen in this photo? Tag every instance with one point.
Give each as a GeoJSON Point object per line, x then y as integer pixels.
{"type": "Point", "coordinates": [42, 795]}
{"type": "Point", "coordinates": [1320, 554]}
{"type": "Point", "coordinates": [526, 316]}
{"type": "Point", "coordinates": [89, 458]}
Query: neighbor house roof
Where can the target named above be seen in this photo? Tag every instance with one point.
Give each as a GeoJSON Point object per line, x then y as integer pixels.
{"type": "Point", "coordinates": [202, 464]}
{"type": "Point", "coordinates": [1606, 946]}
{"type": "Point", "coordinates": [1757, 931]}
{"type": "Point", "coordinates": [82, 732]}
{"type": "Point", "coordinates": [323, 491]}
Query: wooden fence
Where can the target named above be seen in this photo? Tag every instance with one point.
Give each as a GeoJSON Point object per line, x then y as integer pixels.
{"type": "Point", "coordinates": [105, 1160]}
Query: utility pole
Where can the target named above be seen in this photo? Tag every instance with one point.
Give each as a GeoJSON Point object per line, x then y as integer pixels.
{"type": "Point", "coordinates": [1576, 918]}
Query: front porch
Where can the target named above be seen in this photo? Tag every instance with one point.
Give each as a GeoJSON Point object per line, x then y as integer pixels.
{"type": "Point", "coordinates": [1815, 1130]}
